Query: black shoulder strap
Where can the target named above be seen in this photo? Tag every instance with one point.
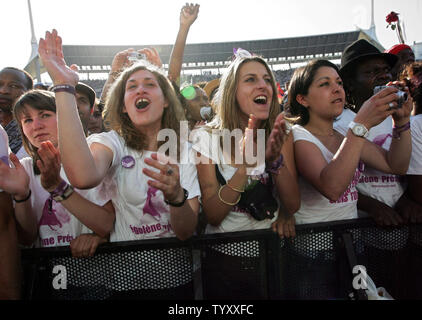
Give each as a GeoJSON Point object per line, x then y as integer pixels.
{"type": "Point", "coordinates": [220, 177]}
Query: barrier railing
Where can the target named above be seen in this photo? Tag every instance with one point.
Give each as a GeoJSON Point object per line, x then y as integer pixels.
{"type": "Point", "coordinates": [319, 263]}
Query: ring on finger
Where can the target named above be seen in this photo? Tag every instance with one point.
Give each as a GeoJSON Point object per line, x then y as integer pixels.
{"type": "Point", "coordinates": [169, 171]}
{"type": "Point", "coordinates": [390, 105]}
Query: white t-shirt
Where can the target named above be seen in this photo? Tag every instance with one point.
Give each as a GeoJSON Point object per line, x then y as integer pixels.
{"type": "Point", "coordinates": [61, 227]}
{"type": "Point", "coordinates": [208, 145]}
{"type": "Point", "coordinates": [141, 212]}
{"type": "Point", "coordinates": [314, 206]}
{"type": "Point", "coordinates": [415, 165]}
{"type": "Point", "coordinates": [22, 153]}
{"type": "Point", "coordinates": [386, 188]}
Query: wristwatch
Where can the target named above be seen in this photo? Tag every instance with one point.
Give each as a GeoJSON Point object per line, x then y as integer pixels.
{"type": "Point", "coordinates": [358, 129]}
{"type": "Point", "coordinates": [185, 196]}
{"type": "Point", "coordinates": [62, 192]}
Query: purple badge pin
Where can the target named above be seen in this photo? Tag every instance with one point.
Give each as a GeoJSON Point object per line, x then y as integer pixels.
{"type": "Point", "coordinates": [128, 162]}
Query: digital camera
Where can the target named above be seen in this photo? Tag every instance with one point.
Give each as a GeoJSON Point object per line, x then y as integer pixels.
{"type": "Point", "coordinates": [402, 95]}
{"type": "Point", "coordinates": [135, 56]}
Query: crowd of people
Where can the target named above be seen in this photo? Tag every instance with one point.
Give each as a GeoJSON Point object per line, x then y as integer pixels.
{"type": "Point", "coordinates": [80, 170]}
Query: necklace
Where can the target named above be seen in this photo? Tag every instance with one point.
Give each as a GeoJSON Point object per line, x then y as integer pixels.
{"type": "Point", "coordinates": [322, 135]}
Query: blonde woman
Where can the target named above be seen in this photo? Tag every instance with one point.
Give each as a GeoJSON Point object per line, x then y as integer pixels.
{"type": "Point", "coordinates": [246, 100]}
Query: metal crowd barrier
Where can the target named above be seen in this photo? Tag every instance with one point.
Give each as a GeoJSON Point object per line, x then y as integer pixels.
{"type": "Point", "coordinates": [319, 263]}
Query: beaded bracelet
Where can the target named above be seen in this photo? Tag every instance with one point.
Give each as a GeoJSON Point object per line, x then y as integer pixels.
{"type": "Point", "coordinates": [180, 204]}
{"type": "Point", "coordinates": [225, 202]}
{"type": "Point", "coordinates": [275, 166]}
{"type": "Point", "coordinates": [398, 130]}
{"type": "Point", "coordinates": [23, 200]}
{"type": "Point", "coordinates": [64, 88]}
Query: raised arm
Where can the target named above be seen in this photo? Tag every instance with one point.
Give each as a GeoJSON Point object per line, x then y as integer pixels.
{"type": "Point", "coordinates": [217, 201]}
{"type": "Point", "coordinates": [188, 15]}
{"type": "Point", "coordinates": [121, 61]}
{"type": "Point", "coordinates": [332, 179]}
{"type": "Point", "coordinates": [285, 177]}
{"type": "Point", "coordinates": [396, 159]}
{"type": "Point", "coordinates": [83, 168]}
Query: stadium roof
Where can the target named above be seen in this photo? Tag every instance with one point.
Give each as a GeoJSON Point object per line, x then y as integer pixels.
{"type": "Point", "coordinates": [92, 59]}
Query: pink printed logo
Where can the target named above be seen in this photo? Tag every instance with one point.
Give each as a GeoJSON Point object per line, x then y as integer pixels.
{"type": "Point", "coordinates": [50, 218]}
{"type": "Point", "coordinates": [154, 205]}
{"type": "Point", "coordinates": [381, 139]}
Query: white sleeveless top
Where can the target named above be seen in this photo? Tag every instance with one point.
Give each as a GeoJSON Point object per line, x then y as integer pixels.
{"type": "Point", "coordinates": [314, 206]}
{"type": "Point", "coordinates": [385, 187]}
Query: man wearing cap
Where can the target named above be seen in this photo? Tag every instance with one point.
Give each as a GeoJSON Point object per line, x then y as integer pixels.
{"type": "Point", "coordinates": [85, 100]}
{"type": "Point", "coordinates": [405, 56]}
{"type": "Point", "coordinates": [13, 83]}
{"type": "Point", "coordinates": [363, 67]}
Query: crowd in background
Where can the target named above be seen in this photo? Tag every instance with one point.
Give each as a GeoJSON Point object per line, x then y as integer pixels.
{"type": "Point", "coordinates": [82, 167]}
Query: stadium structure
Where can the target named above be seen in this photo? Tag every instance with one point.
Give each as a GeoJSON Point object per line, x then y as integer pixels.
{"type": "Point", "coordinates": [209, 59]}
{"type": "Point", "coordinates": [206, 61]}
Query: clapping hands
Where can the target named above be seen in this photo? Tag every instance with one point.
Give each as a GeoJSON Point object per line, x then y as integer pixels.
{"type": "Point", "coordinates": [276, 140]}
{"type": "Point", "coordinates": [49, 165]}
{"type": "Point", "coordinates": [167, 180]}
{"type": "Point", "coordinates": [14, 180]}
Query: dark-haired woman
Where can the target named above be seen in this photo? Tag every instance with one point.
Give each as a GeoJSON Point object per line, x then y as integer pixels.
{"type": "Point", "coordinates": [328, 166]}
{"type": "Point", "coordinates": [327, 162]}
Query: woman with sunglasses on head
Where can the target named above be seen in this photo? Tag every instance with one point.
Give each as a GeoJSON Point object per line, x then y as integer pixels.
{"type": "Point", "coordinates": [246, 101]}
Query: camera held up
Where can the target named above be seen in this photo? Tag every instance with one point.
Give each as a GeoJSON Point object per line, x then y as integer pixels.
{"type": "Point", "coordinates": [135, 56]}
{"type": "Point", "coordinates": [401, 95]}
